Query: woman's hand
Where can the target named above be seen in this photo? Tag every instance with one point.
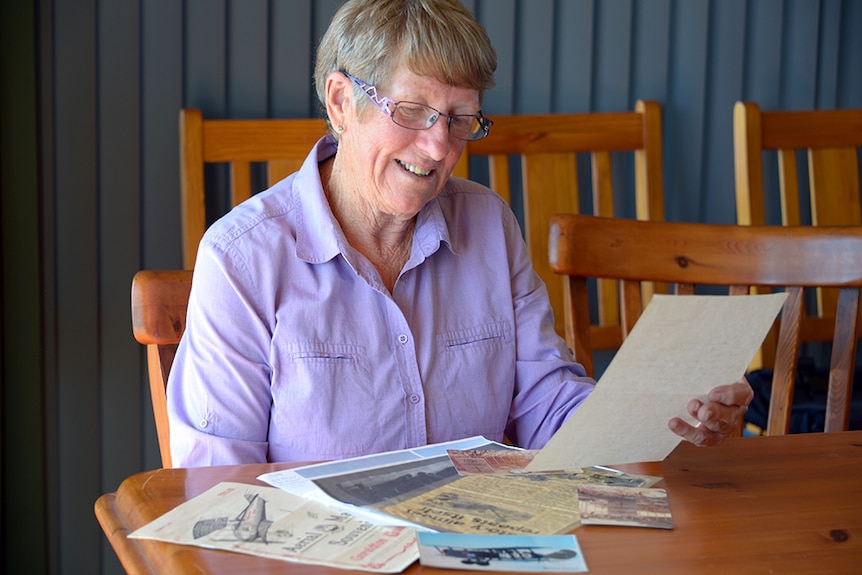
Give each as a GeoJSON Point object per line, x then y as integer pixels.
{"type": "Point", "coordinates": [718, 417]}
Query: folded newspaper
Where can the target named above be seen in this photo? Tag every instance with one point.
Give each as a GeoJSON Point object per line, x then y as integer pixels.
{"type": "Point", "coordinates": [270, 522]}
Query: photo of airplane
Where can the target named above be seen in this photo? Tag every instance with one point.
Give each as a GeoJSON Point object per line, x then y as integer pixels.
{"type": "Point", "coordinates": [483, 556]}
{"type": "Point", "coordinates": [528, 553]}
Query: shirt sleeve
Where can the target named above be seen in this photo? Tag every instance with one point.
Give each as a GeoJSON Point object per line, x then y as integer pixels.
{"type": "Point", "coordinates": [219, 396]}
{"type": "Point", "coordinates": [549, 384]}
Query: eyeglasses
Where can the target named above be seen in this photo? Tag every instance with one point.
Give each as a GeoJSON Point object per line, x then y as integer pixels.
{"type": "Point", "coordinates": [415, 116]}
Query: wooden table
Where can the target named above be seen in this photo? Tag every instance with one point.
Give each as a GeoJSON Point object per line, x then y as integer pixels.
{"type": "Point", "coordinates": [784, 504]}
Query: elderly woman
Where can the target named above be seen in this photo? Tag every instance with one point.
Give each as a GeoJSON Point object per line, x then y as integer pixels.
{"type": "Point", "coordinates": [370, 301]}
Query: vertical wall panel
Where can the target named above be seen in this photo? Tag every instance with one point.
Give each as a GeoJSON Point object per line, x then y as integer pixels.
{"type": "Point", "coordinates": [764, 34]}
{"type": "Point", "coordinates": [684, 112]}
{"type": "Point", "coordinates": [161, 98]}
{"type": "Point", "coordinates": [763, 77]}
{"type": "Point", "coordinates": [800, 55]}
{"type": "Point", "coordinates": [612, 66]}
{"type": "Point", "coordinates": [292, 57]}
{"type": "Point", "coordinates": [247, 58]}
{"type": "Point", "coordinates": [573, 55]}
{"type": "Point", "coordinates": [850, 59]}
{"type": "Point", "coordinates": [651, 50]}
{"type": "Point", "coordinates": [119, 244]}
{"type": "Point", "coordinates": [725, 81]}
{"type": "Point", "coordinates": [829, 51]}
{"type": "Point", "coordinates": [533, 64]}
{"type": "Point", "coordinates": [498, 18]}
{"type": "Point", "coordinates": [205, 44]}
{"type": "Point", "coordinates": [77, 282]}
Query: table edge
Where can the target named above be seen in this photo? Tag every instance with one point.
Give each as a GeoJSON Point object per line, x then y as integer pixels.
{"type": "Point", "coordinates": [117, 531]}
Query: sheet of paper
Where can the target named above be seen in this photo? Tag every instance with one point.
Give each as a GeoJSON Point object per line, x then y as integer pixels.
{"type": "Point", "coordinates": [680, 348]}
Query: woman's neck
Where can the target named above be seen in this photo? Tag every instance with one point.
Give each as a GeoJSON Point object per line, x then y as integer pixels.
{"type": "Point", "coordinates": [382, 238]}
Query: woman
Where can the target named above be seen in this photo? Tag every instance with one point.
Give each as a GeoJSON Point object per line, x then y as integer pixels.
{"type": "Point", "coordinates": [370, 302]}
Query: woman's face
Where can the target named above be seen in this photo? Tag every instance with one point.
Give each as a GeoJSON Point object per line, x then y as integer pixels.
{"type": "Point", "coordinates": [395, 169]}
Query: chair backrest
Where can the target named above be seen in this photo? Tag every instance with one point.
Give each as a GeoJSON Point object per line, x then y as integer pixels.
{"type": "Point", "coordinates": [159, 302]}
{"type": "Point", "coordinates": [687, 255]}
{"type": "Point", "coordinates": [280, 145]}
{"type": "Point", "coordinates": [831, 140]}
{"type": "Point", "coordinates": [548, 147]}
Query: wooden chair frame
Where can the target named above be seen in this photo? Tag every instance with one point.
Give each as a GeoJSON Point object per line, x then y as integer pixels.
{"type": "Point", "coordinates": [687, 255]}
{"type": "Point", "coordinates": [547, 146]}
{"type": "Point", "coordinates": [159, 302]}
{"type": "Point", "coordinates": [831, 140]}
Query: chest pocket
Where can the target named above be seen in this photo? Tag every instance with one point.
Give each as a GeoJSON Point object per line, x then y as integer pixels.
{"type": "Point", "coordinates": [479, 377]}
{"type": "Point", "coordinates": [323, 399]}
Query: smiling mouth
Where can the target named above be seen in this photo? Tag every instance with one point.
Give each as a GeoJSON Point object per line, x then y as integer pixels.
{"type": "Point", "coordinates": [414, 169]}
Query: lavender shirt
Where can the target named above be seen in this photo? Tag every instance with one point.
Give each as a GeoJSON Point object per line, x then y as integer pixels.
{"type": "Point", "coordinates": [295, 351]}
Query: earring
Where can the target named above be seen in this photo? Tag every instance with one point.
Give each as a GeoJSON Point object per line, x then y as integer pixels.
{"type": "Point", "coordinates": [340, 129]}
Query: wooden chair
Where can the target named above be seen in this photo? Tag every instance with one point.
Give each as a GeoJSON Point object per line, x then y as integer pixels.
{"type": "Point", "coordinates": [687, 255]}
{"type": "Point", "coordinates": [547, 146]}
{"type": "Point", "coordinates": [832, 140]}
{"type": "Point", "coordinates": [281, 145]}
{"type": "Point", "coordinates": [159, 302]}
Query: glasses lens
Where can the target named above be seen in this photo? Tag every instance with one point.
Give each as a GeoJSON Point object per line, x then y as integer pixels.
{"type": "Point", "coordinates": [414, 116]}
{"type": "Point", "coordinates": [467, 128]}
{"type": "Point", "coordinates": [420, 117]}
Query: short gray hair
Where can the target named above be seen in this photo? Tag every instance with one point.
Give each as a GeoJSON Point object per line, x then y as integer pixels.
{"type": "Point", "coordinates": [436, 38]}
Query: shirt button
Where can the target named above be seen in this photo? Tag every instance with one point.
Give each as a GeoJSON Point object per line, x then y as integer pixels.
{"type": "Point", "coordinates": [414, 398]}
{"type": "Point", "coordinates": [203, 423]}
{"type": "Point", "coordinates": [402, 338]}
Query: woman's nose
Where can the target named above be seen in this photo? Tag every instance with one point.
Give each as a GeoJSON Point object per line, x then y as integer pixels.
{"type": "Point", "coordinates": [435, 140]}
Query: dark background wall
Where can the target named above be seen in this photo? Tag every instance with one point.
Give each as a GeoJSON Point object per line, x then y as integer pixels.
{"type": "Point", "coordinates": [89, 173]}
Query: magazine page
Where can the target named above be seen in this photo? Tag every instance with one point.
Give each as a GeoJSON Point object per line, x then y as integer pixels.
{"type": "Point", "coordinates": [360, 484]}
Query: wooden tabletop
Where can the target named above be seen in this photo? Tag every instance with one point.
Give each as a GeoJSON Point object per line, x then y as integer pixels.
{"type": "Point", "coordinates": [783, 504]}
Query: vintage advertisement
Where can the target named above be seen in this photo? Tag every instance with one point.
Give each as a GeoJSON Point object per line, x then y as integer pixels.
{"type": "Point", "coordinates": [270, 522]}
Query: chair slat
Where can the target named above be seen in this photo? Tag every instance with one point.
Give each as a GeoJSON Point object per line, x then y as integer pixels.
{"type": "Point", "coordinates": [240, 182]}
{"type": "Point", "coordinates": [549, 182]}
{"type": "Point", "coordinates": [843, 362]}
{"type": "Point", "coordinates": [784, 374]}
{"type": "Point", "coordinates": [788, 188]}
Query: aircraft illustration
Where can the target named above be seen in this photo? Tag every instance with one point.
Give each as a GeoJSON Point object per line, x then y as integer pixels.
{"type": "Point", "coordinates": [484, 555]}
{"type": "Point", "coordinates": [249, 525]}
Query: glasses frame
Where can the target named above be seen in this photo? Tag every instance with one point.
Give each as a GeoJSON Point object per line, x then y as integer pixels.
{"type": "Point", "coordinates": [388, 107]}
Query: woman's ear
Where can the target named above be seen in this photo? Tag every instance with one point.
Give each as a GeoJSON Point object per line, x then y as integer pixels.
{"type": "Point", "coordinates": [339, 90]}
